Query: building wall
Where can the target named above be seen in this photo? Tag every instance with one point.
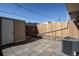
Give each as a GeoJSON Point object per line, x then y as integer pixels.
{"type": "Point", "coordinates": [74, 15]}
{"type": "Point", "coordinates": [73, 10]}
{"type": "Point", "coordinates": [72, 7]}
{"type": "Point", "coordinates": [73, 30]}
{"type": "Point", "coordinates": [31, 30]}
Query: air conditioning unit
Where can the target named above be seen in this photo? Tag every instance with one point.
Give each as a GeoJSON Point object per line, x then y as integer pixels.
{"type": "Point", "coordinates": [70, 46]}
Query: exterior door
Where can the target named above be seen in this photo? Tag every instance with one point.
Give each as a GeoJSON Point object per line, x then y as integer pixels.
{"type": "Point", "coordinates": [19, 31]}
{"type": "Point", "coordinates": [7, 31]}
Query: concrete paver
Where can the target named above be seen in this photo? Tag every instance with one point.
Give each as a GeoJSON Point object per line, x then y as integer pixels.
{"type": "Point", "coordinates": [41, 47]}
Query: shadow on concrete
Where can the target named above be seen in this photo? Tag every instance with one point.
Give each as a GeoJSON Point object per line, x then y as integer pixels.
{"type": "Point", "coordinates": [1, 52]}
{"type": "Point", "coordinates": [29, 40]}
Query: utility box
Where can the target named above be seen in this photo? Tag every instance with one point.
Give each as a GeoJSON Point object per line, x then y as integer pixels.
{"type": "Point", "coordinates": [12, 30]}
{"type": "Point", "coordinates": [70, 47]}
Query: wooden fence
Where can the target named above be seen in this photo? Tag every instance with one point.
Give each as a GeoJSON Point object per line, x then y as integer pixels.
{"type": "Point", "coordinates": [59, 29]}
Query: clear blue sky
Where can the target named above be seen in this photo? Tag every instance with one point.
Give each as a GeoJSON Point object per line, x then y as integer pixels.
{"type": "Point", "coordinates": [48, 12]}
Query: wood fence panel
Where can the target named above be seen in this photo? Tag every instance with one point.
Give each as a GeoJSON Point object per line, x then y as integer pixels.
{"type": "Point", "coordinates": [70, 31]}
{"type": "Point", "coordinates": [54, 27]}
{"type": "Point", "coordinates": [58, 26]}
{"type": "Point", "coordinates": [50, 28]}
{"type": "Point", "coordinates": [64, 31]}
{"type": "Point", "coordinates": [38, 27]}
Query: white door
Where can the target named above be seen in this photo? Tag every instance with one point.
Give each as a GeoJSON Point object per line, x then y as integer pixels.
{"type": "Point", "coordinates": [7, 31]}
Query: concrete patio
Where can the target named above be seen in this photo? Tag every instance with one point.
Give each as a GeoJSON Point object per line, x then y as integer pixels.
{"type": "Point", "coordinates": [41, 47]}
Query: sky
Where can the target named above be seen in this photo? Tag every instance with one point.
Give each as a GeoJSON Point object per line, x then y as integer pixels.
{"type": "Point", "coordinates": [35, 12]}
